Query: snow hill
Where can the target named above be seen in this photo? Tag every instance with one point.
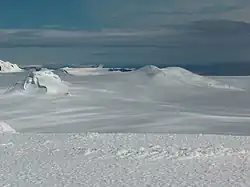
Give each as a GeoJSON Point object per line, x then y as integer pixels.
{"type": "Point", "coordinates": [7, 67]}
{"type": "Point", "coordinates": [179, 76]}
{"type": "Point", "coordinates": [44, 81]}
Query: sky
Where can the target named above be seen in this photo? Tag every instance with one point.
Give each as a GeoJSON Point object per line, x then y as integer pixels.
{"type": "Point", "coordinates": [131, 32]}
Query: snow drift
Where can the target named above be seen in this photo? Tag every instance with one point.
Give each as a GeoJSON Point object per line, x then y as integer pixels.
{"type": "Point", "coordinates": [4, 127]}
{"type": "Point", "coordinates": [44, 81]}
{"type": "Point", "coordinates": [177, 76]}
{"type": "Point", "coordinates": [7, 67]}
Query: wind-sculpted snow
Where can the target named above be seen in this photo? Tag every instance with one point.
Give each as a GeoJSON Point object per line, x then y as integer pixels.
{"type": "Point", "coordinates": [177, 76]}
{"type": "Point", "coordinates": [5, 128]}
{"type": "Point", "coordinates": [133, 160]}
{"type": "Point", "coordinates": [44, 81]}
{"type": "Point", "coordinates": [7, 67]}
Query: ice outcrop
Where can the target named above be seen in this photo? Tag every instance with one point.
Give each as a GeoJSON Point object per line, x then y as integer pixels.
{"type": "Point", "coordinates": [5, 128]}
{"type": "Point", "coordinates": [44, 81]}
{"type": "Point", "coordinates": [7, 67]}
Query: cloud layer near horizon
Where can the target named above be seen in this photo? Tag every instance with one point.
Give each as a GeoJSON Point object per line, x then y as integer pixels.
{"type": "Point", "coordinates": [142, 32]}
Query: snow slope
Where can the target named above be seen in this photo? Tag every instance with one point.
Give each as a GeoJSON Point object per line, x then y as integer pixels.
{"type": "Point", "coordinates": [178, 76]}
{"type": "Point", "coordinates": [129, 102]}
{"type": "Point", "coordinates": [137, 160]}
{"type": "Point", "coordinates": [7, 67]}
{"type": "Point", "coordinates": [44, 81]}
{"type": "Point", "coordinates": [133, 107]}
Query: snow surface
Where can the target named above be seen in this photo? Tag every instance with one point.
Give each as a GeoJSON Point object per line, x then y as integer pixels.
{"type": "Point", "coordinates": [128, 102]}
{"type": "Point", "coordinates": [93, 159]}
{"type": "Point", "coordinates": [132, 107]}
{"type": "Point", "coordinates": [7, 67]}
{"type": "Point", "coordinates": [44, 81]}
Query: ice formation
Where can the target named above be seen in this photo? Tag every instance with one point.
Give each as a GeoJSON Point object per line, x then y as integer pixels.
{"type": "Point", "coordinates": [44, 81]}
{"type": "Point", "coordinates": [4, 127]}
{"type": "Point", "coordinates": [7, 67]}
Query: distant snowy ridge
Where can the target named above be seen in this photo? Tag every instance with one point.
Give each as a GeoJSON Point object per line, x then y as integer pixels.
{"type": "Point", "coordinates": [5, 128]}
{"type": "Point", "coordinates": [180, 75]}
{"type": "Point", "coordinates": [7, 67]}
{"type": "Point", "coordinates": [44, 81]}
{"type": "Point", "coordinates": [84, 71]}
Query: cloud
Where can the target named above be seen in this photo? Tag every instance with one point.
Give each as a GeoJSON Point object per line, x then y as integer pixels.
{"type": "Point", "coordinates": [139, 32]}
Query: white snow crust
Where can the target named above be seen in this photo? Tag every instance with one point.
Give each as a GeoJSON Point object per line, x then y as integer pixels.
{"type": "Point", "coordinates": [7, 67]}
{"type": "Point", "coordinates": [133, 160]}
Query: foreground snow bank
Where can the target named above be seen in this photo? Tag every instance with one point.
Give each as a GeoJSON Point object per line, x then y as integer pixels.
{"type": "Point", "coordinates": [5, 128]}
{"type": "Point", "coordinates": [124, 160]}
{"type": "Point", "coordinates": [44, 81]}
{"type": "Point", "coordinates": [7, 67]}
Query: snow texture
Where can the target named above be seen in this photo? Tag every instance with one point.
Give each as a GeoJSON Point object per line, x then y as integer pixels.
{"type": "Point", "coordinates": [7, 67]}
{"type": "Point", "coordinates": [129, 109]}
{"type": "Point", "coordinates": [137, 160]}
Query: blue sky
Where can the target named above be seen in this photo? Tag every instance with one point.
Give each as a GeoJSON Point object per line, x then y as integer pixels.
{"type": "Point", "coordinates": [125, 32]}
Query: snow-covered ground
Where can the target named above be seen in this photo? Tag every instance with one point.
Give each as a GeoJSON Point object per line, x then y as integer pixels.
{"type": "Point", "coordinates": [132, 108]}
{"type": "Point", "coordinates": [133, 160]}
{"type": "Point", "coordinates": [170, 101]}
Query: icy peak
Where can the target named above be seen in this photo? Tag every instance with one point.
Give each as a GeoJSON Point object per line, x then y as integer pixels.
{"type": "Point", "coordinates": [7, 67]}
{"type": "Point", "coordinates": [44, 81]}
{"type": "Point", "coordinates": [4, 127]}
{"type": "Point", "coordinates": [150, 70]}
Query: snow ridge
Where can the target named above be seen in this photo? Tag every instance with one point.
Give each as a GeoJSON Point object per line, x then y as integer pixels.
{"type": "Point", "coordinates": [5, 128]}
{"type": "Point", "coordinates": [179, 76]}
{"type": "Point", "coordinates": [7, 67]}
{"type": "Point", "coordinates": [44, 81]}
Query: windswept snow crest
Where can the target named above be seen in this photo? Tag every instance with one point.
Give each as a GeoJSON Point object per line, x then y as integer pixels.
{"type": "Point", "coordinates": [180, 76]}
{"type": "Point", "coordinates": [5, 128]}
{"type": "Point", "coordinates": [44, 81]}
{"type": "Point", "coordinates": [7, 67]}
{"type": "Point", "coordinates": [84, 71]}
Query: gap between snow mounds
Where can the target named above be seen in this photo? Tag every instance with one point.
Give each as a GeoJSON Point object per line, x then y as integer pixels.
{"type": "Point", "coordinates": [177, 76]}
{"type": "Point", "coordinates": [7, 67]}
{"type": "Point", "coordinates": [44, 81]}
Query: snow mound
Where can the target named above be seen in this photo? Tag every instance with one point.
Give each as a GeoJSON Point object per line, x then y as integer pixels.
{"type": "Point", "coordinates": [177, 76]}
{"type": "Point", "coordinates": [151, 70]}
{"type": "Point", "coordinates": [44, 81]}
{"type": "Point", "coordinates": [7, 67]}
{"type": "Point", "coordinates": [4, 127]}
